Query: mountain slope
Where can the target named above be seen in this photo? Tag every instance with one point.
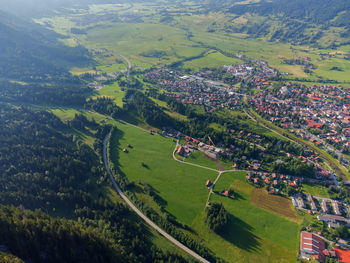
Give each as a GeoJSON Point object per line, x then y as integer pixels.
{"type": "Point", "coordinates": [28, 50]}
{"type": "Point", "coordinates": [320, 22]}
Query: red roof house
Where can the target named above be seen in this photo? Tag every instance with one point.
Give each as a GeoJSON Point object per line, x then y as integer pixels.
{"type": "Point", "coordinates": [343, 255]}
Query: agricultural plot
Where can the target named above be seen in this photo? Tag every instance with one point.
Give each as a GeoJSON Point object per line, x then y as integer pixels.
{"type": "Point", "coordinates": [253, 232]}
{"type": "Point", "coordinates": [211, 60]}
{"type": "Point", "coordinates": [258, 234]}
{"type": "Point", "coordinates": [181, 187]}
{"type": "Point", "coordinates": [114, 92]}
{"type": "Point", "coordinates": [148, 43]}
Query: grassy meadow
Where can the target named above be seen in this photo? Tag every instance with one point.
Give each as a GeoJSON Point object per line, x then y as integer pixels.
{"type": "Point", "coordinates": [254, 231]}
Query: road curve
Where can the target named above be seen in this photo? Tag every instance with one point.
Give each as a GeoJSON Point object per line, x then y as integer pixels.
{"type": "Point", "coordinates": [140, 214]}
{"type": "Point", "coordinates": [192, 164]}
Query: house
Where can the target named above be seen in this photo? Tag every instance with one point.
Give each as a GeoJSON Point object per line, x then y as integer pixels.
{"type": "Point", "coordinates": [312, 246]}
{"type": "Point", "coordinates": [181, 151]}
{"type": "Point", "coordinates": [336, 208]}
{"type": "Point", "coordinates": [209, 184]}
{"type": "Point", "coordinates": [343, 255]}
{"type": "Point", "coordinates": [324, 206]}
{"type": "Point", "coordinates": [334, 221]}
{"type": "Point", "coordinates": [312, 202]}
{"type": "Point", "coordinates": [300, 202]}
{"type": "Point", "coordinates": [256, 180]}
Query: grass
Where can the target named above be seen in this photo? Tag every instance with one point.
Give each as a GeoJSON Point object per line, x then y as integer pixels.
{"type": "Point", "coordinates": [170, 179]}
{"type": "Point", "coordinates": [253, 234]}
{"type": "Point", "coordinates": [135, 39]}
{"type": "Point", "coordinates": [113, 91]}
{"type": "Point", "coordinates": [316, 190]}
{"type": "Point", "coordinates": [211, 60]}
{"type": "Point", "coordinates": [112, 68]}
{"type": "Point", "coordinates": [198, 157]}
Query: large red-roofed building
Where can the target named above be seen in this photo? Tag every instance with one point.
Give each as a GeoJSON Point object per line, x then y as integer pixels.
{"type": "Point", "coordinates": [312, 245]}
{"type": "Point", "coordinates": [343, 255]}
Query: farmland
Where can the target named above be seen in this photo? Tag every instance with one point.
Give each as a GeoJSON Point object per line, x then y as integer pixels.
{"type": "Point", "coordinates": [185, 38]}
{"type": "Point", "coordinates": [171, 179]}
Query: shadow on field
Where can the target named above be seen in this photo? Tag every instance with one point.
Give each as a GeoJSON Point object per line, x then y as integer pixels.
{"type": "Point", "coordinates": [235, 196]}
{"type": "Point", "coordinates": [116, 150]}
{"type": "Point", "coordinates": [239, 233]}
{"type": "Point", "coordinates": [238, 196]}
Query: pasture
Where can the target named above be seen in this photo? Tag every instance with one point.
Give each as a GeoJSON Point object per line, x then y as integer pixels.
{"type": "Point", "coordinates": [253, 232]}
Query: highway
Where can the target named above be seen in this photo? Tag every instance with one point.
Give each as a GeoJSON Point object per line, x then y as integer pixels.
{"type": "Point", "coordinates": [140, 214]}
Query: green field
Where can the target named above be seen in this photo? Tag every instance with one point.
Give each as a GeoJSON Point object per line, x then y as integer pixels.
{"type": "Point", "coordinates": [316, 190]}
{"type": "Point", "coordinates": [257, 234]}
{"type": "Point", "coordinates": [186, 37]}
{"type": "Point", "coordinates": [198, 157]}
{"type": "Point", "coordinates": [182, 187]}
{"type": "Point", "coordinates": [138, 40]}
{"type": "Point", "coordinates": [211, 60]}
{"type": "Point", "coordinates": [252, 233]}
{"type": "Point", "coordinates": [112, 68]}
{"type": "Point", "coordinates": [114, 92]}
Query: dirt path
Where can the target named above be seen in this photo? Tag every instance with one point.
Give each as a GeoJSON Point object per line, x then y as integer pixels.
{"type": "Point", "coordinates": [216, 161]}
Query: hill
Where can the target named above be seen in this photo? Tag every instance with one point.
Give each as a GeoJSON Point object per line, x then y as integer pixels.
{"type": "Point", "coordinates": [301, 22]}
{"type": "Point", "coordinates": [29, 51]}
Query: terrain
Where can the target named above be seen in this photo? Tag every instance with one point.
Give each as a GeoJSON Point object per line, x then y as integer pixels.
{"type": "Point", "coordinates": [86, 86]}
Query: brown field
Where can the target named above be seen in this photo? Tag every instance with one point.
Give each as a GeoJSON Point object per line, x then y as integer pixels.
{"type": "Point", "coordinates": [275, 204]}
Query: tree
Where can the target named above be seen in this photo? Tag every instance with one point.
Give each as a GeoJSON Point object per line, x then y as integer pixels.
{"type": "Point", "coordinates": [216, 218]}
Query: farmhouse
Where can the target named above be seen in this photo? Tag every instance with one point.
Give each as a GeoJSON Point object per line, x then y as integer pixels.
{"type": "Point", "coordinates": [181, 151]}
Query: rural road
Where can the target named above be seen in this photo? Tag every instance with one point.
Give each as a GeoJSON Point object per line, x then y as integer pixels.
{"type": "Point", "coordinates": [140, 214]}
{"type": "Point", "coordinates": [129, 65]}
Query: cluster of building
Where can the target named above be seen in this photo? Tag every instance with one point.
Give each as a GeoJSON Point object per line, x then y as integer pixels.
{"type": "Point", "coordinates": [193, 89]}
{"type": "Point", "coordinates": [241, 71]}
{"type": "Point", "coordinates": [325, 206]}
{"type": "Point", "coordinates": [275, 182]}
{"type": "Point", "coordinates": [324, 108]}
{"type": "Point", "coordinates": [313, 246]}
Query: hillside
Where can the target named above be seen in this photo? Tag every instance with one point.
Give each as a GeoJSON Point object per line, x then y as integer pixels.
{"type": "Point", "coordinates": [301, 22]}
{"type": "Point", "coordinates": [30, 51]}
{"type": "Point", "coordinates": [37, 237]}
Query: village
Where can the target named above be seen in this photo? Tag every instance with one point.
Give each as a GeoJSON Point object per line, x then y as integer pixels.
{"type": "Point", "coordinates": [319, 114]}
{"type": "Point", "coordinates": [203, 88]}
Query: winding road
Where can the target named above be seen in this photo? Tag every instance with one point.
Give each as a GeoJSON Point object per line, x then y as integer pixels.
{"type": "Point", "coordinates": [140, 214]}
{"type": "Point", "coordinates": [129, 65]}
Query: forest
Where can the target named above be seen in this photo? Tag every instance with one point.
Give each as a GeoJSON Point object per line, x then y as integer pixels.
{"type": "Point", "coordinates": [30, 51]}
